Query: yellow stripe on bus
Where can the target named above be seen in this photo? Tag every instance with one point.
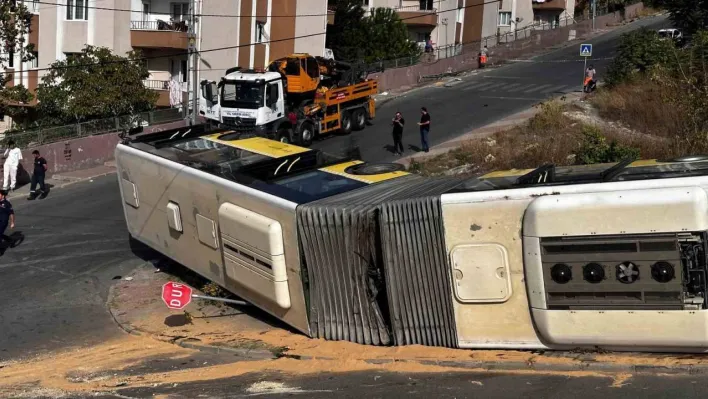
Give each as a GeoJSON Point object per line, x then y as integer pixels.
{"type": "Point", "coordinates": [507, 173]}
{"type": "Point", "coordinates": [370, 179]}
{"type": "Point", "coordinates": [259, 145]}
{"type": "Point", "coordinates": [646, 162]}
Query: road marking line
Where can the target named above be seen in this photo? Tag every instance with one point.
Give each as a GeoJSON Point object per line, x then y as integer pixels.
{"type": "Point", "coordinates": [514, 98]}
{"type": "Point", "coordinates": [482, 86]}
{"type": "Point", "coordinates": [538, 88]}
{"type": "Point", "coordinates": [524, 87]}
{"type": "Point", "coordinates": [471, 85]}
{"type": "Point", "coordinates": [511, 87]}
{"type": "Point", "coordinates": [554, 89]}
{"type": "Point", "coordinates": [505, 77]}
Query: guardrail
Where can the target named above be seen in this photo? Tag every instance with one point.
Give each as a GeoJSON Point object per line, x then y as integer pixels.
{"type": "Point", "coordinates": [40, 136]}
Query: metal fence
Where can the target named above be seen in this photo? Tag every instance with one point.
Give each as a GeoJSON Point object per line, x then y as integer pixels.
{"type": "Point", "coordinates": [40, 136]}
{"type": "Point", "coordinates": [438, 53]}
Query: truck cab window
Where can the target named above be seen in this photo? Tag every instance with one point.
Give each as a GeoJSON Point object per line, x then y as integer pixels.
{"type": "Point", "coordinates": [272, 94]}
{"type": "Point", "coordinates": [312, 68]}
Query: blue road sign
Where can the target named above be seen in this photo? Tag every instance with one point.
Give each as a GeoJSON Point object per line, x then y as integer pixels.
{"type": "Point", "coordinates": [586, 50]}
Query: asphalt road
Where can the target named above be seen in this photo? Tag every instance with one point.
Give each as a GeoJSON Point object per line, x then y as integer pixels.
{"type": "Point", "coordinates": [483, 98]}
{"type": "Point", "coordinates": [374, 385]}
{"type": "Point", "coordinates": [54, 285]}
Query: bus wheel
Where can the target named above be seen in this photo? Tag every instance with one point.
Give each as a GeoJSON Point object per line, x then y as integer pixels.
{"type": "Point", "coordinates": [307, 133]}
{"type": "Point", "coordinates": [359, 117]}
{"type": "Point", "coordinates": [346, 122]}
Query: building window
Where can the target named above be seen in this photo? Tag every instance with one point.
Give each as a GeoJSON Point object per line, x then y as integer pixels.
{"type": "Point", "coordinates": [460, 15]}
{"type": "Point", "coordinates": [76, 10]}
{"type": "Point", "coordinates": [11, 59]}
{"type": "Point", "coordinates": [146, 12]}
{"type": "Point", "coordinates": [260, 32]}
{"type": "Point", "coordinates": [34, 8]}
{"type": "Point", "coordinates": [504, 18]}
{"type": "Point", "coordinates": [34, 62]}
{"type": "Point", "coordinates": [180, 11]}
{"type": "Point", "coordinates": [366, 3]}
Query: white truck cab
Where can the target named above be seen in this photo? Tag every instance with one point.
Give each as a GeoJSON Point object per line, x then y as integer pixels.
{"type": "Point", "coordinates": [247, 101]}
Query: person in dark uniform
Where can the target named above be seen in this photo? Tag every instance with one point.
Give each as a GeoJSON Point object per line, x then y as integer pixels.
{"type": "Point", "coordinates": [398, 123]}
{"type": "Point", "coordinates": [424, 128]}
{"type": "Point", "coordinates": [40, 169]}
{"type": "Point", "coordinates": [7, 218]}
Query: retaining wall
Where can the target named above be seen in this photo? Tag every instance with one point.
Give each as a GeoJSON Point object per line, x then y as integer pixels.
{"type": "Point", "coordinates": [534, 42]}
{"type": "Point", "coordinates": [79, 153]}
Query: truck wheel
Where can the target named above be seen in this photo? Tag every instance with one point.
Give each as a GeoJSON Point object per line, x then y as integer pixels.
{"type": "Point", "coordinates": [359, 117]}
{"type": "Point", "coordinates": [306, 134]}
{"type": "Point", "coordinates": [284, 135]}
{"type": "Point", "coordinates": [346, 122]}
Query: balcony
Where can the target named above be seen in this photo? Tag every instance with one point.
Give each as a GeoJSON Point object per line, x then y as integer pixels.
{"type": "Point", "coordinates": [549, 5]}
{"type": "Point", "coordinates": [159, 34]}
{"type": "Point", "coordinates": [163, 89]}
{"type": "Point", "coordinates": [418, 13]}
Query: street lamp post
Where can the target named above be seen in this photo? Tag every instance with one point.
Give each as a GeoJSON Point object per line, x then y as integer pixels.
{"type": "Point", "coordinates": [447, 45]}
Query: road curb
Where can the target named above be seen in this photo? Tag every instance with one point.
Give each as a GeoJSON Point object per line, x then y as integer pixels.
{"type": "Point", "coordinates": [247, 354]}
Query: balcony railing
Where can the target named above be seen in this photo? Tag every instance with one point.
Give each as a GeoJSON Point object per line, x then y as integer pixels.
{"type": "Point", "coordinates": [163, 84]}
{"type": "Point", "coordinates": [417, 8]}
{"type": "Point", "coordinates": [160, 25]}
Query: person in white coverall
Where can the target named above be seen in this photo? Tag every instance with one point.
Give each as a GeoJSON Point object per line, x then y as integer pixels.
{"type": "Point", "coordinates": [13, 156]}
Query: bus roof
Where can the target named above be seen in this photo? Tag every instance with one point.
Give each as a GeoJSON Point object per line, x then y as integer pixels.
{"type": "Point", "coordinates": [292, 172]}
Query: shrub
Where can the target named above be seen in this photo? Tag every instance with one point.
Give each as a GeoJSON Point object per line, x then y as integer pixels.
{"type": "Point", "coordinates": [639, 52]}
{"type": "Point", "coordinates": [595, 148]}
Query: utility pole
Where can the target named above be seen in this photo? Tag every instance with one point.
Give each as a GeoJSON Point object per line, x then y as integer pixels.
{"type": "Point", "coordinates": [594, 13]}
{"type": "Point", "coordinates": [192, 40]}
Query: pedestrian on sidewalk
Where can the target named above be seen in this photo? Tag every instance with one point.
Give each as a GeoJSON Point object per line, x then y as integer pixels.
{"type": "Point", "coordinates": [424, 128]}
{"type": "Point", "coordinates": [7, 218]}
{"type": "Point", "coordinates": [13, 156]}
{"type": "Point", "coordinates": [398, 123]}
{"type": "Point", "coordinates": [40, 169]}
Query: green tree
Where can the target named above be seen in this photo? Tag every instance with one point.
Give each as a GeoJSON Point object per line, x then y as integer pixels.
{"type": "Point", "coordinates": [594, 148]}
{"type": "Point", "coordinates": [638, 52]}
{"type": "Point", "coordinates": [387, 36]}
{"type": "Point", "coordinates": [688, 15]}
{"type": "Point", "coordinates": [346, 37]}
{"type": "Point", "coordinates": [356, 36]}
{"type": "Point", "coordinates": [94, 84]}
{"type": "Point", "coordinates": [14, 26]}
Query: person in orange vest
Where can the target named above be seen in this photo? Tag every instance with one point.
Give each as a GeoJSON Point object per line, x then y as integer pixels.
{"type": "Point", "coordinates": [483, 57]}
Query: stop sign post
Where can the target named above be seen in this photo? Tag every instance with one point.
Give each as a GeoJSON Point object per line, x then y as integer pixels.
{"type": "Point", "coordinates": [176, 296]}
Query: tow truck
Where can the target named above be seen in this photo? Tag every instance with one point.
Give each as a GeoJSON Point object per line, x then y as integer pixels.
{"type": "Point", "coordinates": [294, 100]}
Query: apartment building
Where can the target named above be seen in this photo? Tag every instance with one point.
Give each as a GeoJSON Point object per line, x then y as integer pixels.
{"type": "Point", "coordinates": [515, 15]}
{"type": "Point", "coordinates": [246, 33]}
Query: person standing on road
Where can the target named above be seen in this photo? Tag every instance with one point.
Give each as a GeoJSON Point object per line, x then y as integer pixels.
{"type": "Point", "coordinates": [13, 156]}
{"type": "Point", "coordinates": [40, 169]}
{"type": "Point", "coordinates": [7, 218]}
{"type": "Point", "coordinates": [424, 128]}
{"type": "Point", "coordinates": [398, 123]}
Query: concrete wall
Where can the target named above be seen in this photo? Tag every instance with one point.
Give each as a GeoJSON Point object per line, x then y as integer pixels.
{"type": "Point", "coordinates": [315, 25]}
{"type": "Point", "coordinates": [538, 40]}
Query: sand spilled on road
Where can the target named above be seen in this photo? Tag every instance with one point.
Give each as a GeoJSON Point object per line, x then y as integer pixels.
{"type": "Point", "coordinates": [102, 368]}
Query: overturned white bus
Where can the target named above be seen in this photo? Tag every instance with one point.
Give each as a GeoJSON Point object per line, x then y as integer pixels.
{"type": "Point", "coordinates": [610, 256]}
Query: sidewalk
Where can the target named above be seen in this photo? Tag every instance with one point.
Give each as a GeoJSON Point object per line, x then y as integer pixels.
{"type": "Point", "coordinates": [136, 305]}
{"type": "Point", "coordinates": [64, 179]}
